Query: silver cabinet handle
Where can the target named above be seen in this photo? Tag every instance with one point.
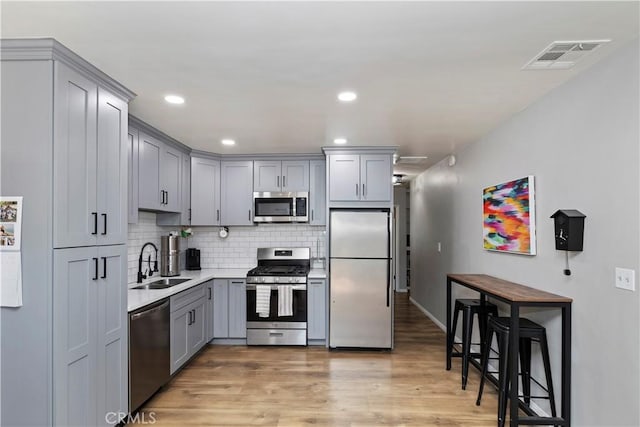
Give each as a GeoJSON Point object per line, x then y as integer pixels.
{"type": "Point", "coordinates": [364, 193]}
{"type": "Point", "coordinates": [194, 315]}
{"type": "Point", "coordinates": [278, 181]}
{"type": "Point", "coordinates": [356, 188]}
{"type": "Point", "coordinates": [249, 214]}
{"type": "Point", "coordinates": [217, 214]}
{"type": "Point", "coordinates": [209, 293]}
{"type": "Point", "coordinates": [284, 181]}
{"type": "Point", "coordinates": [311, 214]}
{"type": "Point", "coordinates": [95, 222]}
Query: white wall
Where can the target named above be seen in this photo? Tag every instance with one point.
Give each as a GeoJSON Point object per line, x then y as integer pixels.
{"type": "Point", "coordinates": [581, 142]}
{"type": "Point", "coordinates": [238, 250]}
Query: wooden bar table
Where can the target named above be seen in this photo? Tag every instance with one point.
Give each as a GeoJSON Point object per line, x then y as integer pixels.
{"type": "Point", "coordinates": [517, 296]}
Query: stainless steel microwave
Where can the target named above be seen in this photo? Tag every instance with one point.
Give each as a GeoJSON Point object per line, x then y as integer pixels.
{"type": "Point", "coordinates": [281, 207]}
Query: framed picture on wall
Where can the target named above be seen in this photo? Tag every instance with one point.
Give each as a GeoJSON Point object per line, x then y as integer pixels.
{"type": "Point", "coordinates": [509, 217]}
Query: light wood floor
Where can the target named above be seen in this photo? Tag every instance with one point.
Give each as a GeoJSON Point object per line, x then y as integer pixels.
{"type": "Point", "coordinates": [285, 386]}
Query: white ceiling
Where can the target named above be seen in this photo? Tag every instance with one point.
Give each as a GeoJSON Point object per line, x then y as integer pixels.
{"type": "Point", "coordinates": [431, 76]}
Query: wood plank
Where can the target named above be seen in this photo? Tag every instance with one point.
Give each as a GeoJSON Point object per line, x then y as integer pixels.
{"type": "Point", "coordinates": [294, 386]}
{"type": "Point", "coordinates": [509, 291]}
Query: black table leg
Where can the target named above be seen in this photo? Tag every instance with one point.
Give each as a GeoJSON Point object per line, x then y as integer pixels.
{"type": "Point", "coordinates": [566, 364]}
{"type": "Point", "coordinates": [514, 347]}
{"type": "Point", "coordinates": [448, 323]}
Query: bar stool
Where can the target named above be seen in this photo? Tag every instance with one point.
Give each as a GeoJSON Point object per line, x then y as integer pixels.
{"type": "Point", "coordinates": [469, 308]}
{"type": "Point", "coordinates": [529, 331]}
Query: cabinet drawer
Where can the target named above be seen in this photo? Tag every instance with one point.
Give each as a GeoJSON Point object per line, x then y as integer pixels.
{"type": "Point", "coordinates": [187, 297]}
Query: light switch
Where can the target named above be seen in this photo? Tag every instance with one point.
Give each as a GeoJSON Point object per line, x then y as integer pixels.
{"type": "Point", "coordinates": [625, 279]}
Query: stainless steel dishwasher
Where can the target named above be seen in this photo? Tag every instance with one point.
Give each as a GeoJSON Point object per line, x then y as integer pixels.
{"type": "Point", "coordinates": [149, 351]}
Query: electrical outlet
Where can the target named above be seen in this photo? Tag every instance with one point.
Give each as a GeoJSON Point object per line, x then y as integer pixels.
{"type": "Point", "coordinates": [625, 279]}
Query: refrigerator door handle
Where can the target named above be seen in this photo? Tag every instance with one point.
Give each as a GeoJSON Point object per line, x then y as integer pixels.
{"type": "Point", "coordinates": [388, 281]}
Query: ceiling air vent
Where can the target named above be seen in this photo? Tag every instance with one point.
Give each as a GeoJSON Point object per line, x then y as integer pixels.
{"type": "Point", "coordinates": [409, 160]}
{"type": "Point", "coordinates": [563, 55]}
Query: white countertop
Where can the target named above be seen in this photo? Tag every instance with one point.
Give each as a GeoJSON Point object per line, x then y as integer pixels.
{"type": "Point", "coordinates": [140, 297]}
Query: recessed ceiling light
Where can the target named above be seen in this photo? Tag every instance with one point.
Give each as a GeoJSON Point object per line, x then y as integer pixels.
{"type": "Point", "coordinates": [228, 142]}
{"type": "Point", "coordinates": [340, 141]}
{"type": "Point", "coordinates": [347, 96]}
{"type": "Point", "coordinates": [174, 99]}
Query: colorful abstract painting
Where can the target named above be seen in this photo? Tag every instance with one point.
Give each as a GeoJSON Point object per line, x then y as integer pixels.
{"type": "Point", "coordinates": [509, 217]}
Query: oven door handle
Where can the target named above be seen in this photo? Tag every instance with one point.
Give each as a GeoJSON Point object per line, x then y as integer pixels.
{"type": "Point", "coordinates": [275, 287]}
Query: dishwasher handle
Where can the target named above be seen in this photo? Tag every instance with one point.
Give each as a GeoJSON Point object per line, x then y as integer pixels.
{"type": "Point", "coordinates": [151, 309]}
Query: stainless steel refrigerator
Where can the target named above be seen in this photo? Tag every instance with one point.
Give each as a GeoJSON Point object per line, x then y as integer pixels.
{"type": "Point", "coordinates": [361, 295]}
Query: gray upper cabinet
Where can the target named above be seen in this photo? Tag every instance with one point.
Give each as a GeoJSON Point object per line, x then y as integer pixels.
{"type": "Point", "coordinates": [159, 175]}
{"type": "Point", "coordinates": [205, 191]}
{"type": "Point", "coordinates": [184, 216]}
{"type": "Point", "coordinates": [236, 199]}
{"type": "Point", "coordinates": [317, 192]}
{"type": "Point", "coordinates": [150, 153]}
{"type": "Point", "coordinates": [276, 175]}
{"type": "Point", "coordinates": [355, 177]}
{"type": "Point", "coordinates": [133, 152]}
{"type": "Point", "coordinates": [90, 338]}
{"type": "Point", "coordinates": [90, 175]}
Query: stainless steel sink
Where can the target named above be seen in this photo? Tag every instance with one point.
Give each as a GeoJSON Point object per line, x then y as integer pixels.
{"type": "Point", "coordinates": [161, 283]}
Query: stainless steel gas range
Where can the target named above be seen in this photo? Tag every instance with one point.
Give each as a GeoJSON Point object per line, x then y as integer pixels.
{"type": "Point", "coordinates": [277, 297]}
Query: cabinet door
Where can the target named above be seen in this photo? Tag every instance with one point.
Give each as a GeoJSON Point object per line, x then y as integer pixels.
{"type": "Point", "coordinates": [132, 172]}
{"type": "Point", "coordinates": [75, 337]}
{"type": "Point", "coordinates": [316, 310]}
{"type": "Point", "coordinates": [185, 190]}
{"type": "Point", "coordinates": [149, 196]}
{"type": "Point", "coordinates": [179, 337]}
{"type": "Point", "coordinates": [220, 308]}
{"type": "Point", "coordinates": [197, 330]}
{"type": "Point", "coordinates": [295, 175]}
{"type": "Point", "coordinates": [344, 177]}
{"type": "Point", "coordinates": [112, 169]}
{"type": "Point", "coordinates": [74, 159]}
{"type": "Point", "coordinates": [237, 309]}
{"type": "Point", "coordinates": [267, 175]}
{"type": "Point", "coordinates": [375, 176]}
{"type": "Point", "coordinates": [209, 311]}
{"type": "Point", "coordinates": [236, 198]}
{"type": "Point", "coordinates": [317, 192]}
{"type": "Point", "coordinates": [205, 190]}
{"type": "Point", "coordinates": [170, 178]}
{"type": "Point", "coordinates": [112, 347]}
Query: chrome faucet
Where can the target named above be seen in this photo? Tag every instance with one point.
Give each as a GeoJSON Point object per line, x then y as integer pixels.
{"type": "Point", "coordinates": [149, 270]}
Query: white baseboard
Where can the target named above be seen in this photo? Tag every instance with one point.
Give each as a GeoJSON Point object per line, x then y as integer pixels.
{"type": "Point", "coordinates": [428, 314]}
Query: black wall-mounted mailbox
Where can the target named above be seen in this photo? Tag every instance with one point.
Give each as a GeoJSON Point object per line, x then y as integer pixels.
{"type": "Point", "coordinates": [569, 229]}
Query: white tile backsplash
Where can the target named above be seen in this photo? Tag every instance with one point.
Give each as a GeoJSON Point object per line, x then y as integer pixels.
{"type": "Point", "coordinates": [238, 250]}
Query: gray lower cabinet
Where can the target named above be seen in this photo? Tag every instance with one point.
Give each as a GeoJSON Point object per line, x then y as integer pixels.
{"type": "Point", "coordinates": [188, 325]}
{"type": "Point", "coordinates": [90, 334]}
{"type": "Point", "coordinates": [236, 193]}
{"type": "Point", "coordinates": [229, 308]}
{"type": "Point", "coordinates": [316, 309]}
{"type": "Point", "coordinates": [317, 192]}
{"type": "Point", "coordinates": [209, 310]}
